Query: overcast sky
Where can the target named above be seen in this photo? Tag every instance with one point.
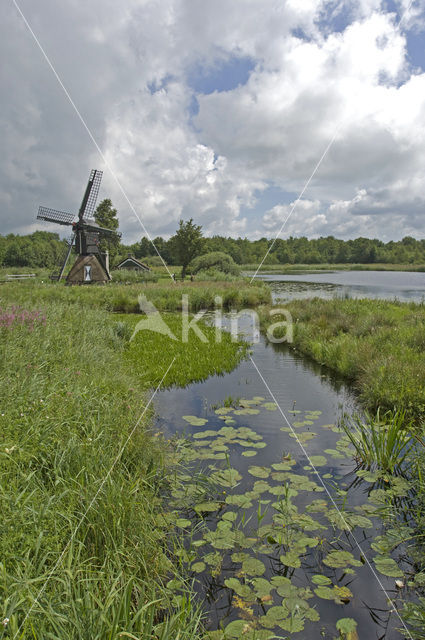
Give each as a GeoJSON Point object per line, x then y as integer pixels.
{"type": "Point", "coordinates": [219, 111]}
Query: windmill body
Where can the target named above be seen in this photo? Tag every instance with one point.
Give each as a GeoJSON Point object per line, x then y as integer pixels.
{"type": "Point", "coordinates": [91, 264]}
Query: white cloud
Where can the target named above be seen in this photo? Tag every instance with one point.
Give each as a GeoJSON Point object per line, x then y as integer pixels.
{"type": "Point", "coordinates": [126, 65]}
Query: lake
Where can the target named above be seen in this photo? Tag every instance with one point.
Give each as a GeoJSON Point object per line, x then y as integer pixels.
{"type": "Point", "coordinates": [401, 285]}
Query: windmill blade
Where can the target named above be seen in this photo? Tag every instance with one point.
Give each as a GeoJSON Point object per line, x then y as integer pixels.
{"type": "Point", "coordinates": [88, 204]}
{"type": "Point", "coordinates": [53, 215]}
{"type": "Point", "coordinates": [102, 230]}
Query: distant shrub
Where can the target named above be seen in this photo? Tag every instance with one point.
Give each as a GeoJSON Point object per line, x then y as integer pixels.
{"type": "Point", "coordinates": [214, 275]}
{"type": "Point", "coordinates": [131, 276]}
{"type": "Point", "coordinates": [217, 260]}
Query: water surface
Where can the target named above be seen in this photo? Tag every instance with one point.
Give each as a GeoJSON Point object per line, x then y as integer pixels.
{"type": "Point", "coordinates": [297, 384]}
{"type": "Point", "coordinates": [401, 285]}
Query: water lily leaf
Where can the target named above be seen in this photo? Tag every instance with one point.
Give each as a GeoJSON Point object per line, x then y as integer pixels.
{"type": "Point", "coordinates": [195, 421]}
{"type": "Point", "coordinates": [208, 433]}
{"type": "Point", "coordinates": [270, 406]}
{"type": "Point", "coordinates": [260, 486]}
{"type": "Point", "coordinates": [341, 559]}
{"type": "Point", "coordinates": [253, 567]}
{"type": "Point", "coordinates": [242, 501]}
{"type": "Point", "coordinates": [317, 506]}
{"type": "Point", "coordinates": [326, 593]}
{"type": "Point", "coordinates": [360, 521]}
{"type": "Point", "coordinates": [207, 506]}
{"type": "Point", "coordinates": [259, 472]}
{"type": "Point", "coordinates": [318, 461]}
{"type": "Point", "coordinates": [183, 523]}
{"type": "Point", "coordinates": [230, 515]}
{"type": "Point", "coordinates": [334, 453]}
{"type": "Point", "coordinates": [348, 627]}
{"type": "Point", "coordinates": [388, 567]}
{"type": "Point", "coordinates": [236, 629]}
{"type": "Point", "coordinates": [227, 477]}
{"type": "Point", "coordinates": [291, 559]}
{"type": "Point", "coordinates": [261, 587]}
{"type": "Point", "coordinates": [342, 593]}
{"type": "Point", "coordinates": [312, 614]}
{"type": "Point", "coordinates": [249, 453]}
{"type": "Point", "coordinates": [259, 445]}
{"type": "Point", "coordinates": [284, 466]}
{"type": "Point", "coordinates": [198, 567]}
{"type": "Point", "coordinates": [246, 412]}
{"type": "Point", "coordinates": [242, 590]}
{"type": "Point", "coordinates": [240, 556]}
{"type": "Point", "coordinates": [321, 580]}
{"type": "Point", "coordinates": [292, 624]}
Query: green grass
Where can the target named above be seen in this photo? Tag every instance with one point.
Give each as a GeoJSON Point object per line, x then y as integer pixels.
{"type": "Point", "coordinates": [378, 345]}
{"type": "Point", "coordinates": [72, 389]}
{"type": "Point", "coordinates": [150, 353]}
{"type": "Point", "coordinates": [166, 296]}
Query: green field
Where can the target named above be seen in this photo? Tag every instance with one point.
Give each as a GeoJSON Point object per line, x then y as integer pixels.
{"type": "Point", "coordinates": [84, 549]}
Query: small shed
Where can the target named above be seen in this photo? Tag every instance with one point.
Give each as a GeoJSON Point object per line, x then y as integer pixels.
{"type": "Point", "coordinates": [131, 263]}
{"type": "Point", "coordinates": [87, 270]}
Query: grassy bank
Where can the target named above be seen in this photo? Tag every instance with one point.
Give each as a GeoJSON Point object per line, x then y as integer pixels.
{"type": "Point", "coordinates": [289, 268]}
{"type": "Point", "coordinates": [83, 550]}
{"type": "Point", "coordinates": [166, 296]}
{"type": "Point", "coordinates": [376, 344]}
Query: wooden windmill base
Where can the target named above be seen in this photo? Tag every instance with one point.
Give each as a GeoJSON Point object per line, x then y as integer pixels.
{"type": "Point", "coordinates": [87, 270]}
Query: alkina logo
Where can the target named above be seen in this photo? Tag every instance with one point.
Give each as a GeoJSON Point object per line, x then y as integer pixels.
{"type": "Point", "coordinates": [281, 331]}
{"type": "Point", "coordinates": [153, 320]}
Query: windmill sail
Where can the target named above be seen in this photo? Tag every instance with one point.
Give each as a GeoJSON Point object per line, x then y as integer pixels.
{"type": "Point", "coordinates": [53, 215]}
{"type": "Point", "coordinates": [88, 204]}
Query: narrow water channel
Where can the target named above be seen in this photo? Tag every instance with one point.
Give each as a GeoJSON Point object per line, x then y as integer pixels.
{"type": "Point", "coordinates": [313, 399]}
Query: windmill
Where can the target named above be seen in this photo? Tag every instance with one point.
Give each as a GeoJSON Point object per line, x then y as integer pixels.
{"type": "Point", "coordinates": [91, 265]}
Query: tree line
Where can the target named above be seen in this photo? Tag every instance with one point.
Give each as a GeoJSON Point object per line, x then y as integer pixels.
{"type": "Point", "coordinates": [45, 249]}
{"type": "Point", "coordinates": [294, 250]}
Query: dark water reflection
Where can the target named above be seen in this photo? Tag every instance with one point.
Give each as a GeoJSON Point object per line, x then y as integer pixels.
{"type": "Point", "coordinates": [296, 382]}
{"type": "Point", "coordinates": [401, 285]}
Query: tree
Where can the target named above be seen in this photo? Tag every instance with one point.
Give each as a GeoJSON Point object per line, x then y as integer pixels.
{"type": "Point", "coordinates": [187, 243]}
{"type": "Point", "coordinates": [217, 260]}
{"type": "Point", "coordinates": [106, 216]}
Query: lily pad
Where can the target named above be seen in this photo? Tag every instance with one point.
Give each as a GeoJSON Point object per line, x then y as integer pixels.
{"type": "Point", "coordinates": [341, 559]}
{"type": "Point", "coordinates": [348, 627]}
{"type": "Point", "coordinates": [321, 580]}
{"type": "Point", "coordinates": [202, 507]}
{"type": "Point", "coordinates": [388, 567]}
{"type": "Point", "coordinates": [259, 472]}
{"type": "Point", "coordinates": [249, 453]}
{"type": "Point", "coordinates": [195, 421]}
{"type": "Point", "coordinates": [253, 567]}
{"type": "Point", "coordinates": [318, 461]}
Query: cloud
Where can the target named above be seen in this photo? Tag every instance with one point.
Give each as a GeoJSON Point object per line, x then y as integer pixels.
{"type": "Point", "coordinates": [128, 68]}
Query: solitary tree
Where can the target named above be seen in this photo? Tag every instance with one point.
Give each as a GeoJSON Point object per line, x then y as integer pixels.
{"type": "Point", "coordinates": [106, 216]}
{"type": "Point", "coordinates": [187, 243]}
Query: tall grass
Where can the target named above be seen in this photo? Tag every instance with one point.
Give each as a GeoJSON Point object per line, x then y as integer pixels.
{"type": "Point", "coordinates": [378, 345]}
{"type": "Point", "coordinates": [166, 296]}
{"type": "Point", "coordinates": [83, 548]}
{"type": "Point", "coordinates": [382, 442]}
